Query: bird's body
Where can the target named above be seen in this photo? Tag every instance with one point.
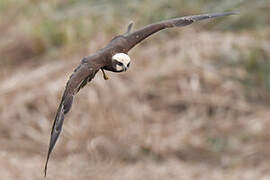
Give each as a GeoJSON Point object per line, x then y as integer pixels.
{"type": "Point", "coordinates": [114, 57]}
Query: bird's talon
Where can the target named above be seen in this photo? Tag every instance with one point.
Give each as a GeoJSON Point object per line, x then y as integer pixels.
{"type": "Point", "coordinates": [104, 75]}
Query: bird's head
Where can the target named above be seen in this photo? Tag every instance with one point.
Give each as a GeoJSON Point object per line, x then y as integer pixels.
{"type": "Point", "coordinates": [121, 62]}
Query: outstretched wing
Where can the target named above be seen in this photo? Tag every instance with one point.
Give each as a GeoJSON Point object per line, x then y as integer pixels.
{"type": "Point", "coordinates": [139, 35]}
{"type": "Point", "coordinates": [80, 77]}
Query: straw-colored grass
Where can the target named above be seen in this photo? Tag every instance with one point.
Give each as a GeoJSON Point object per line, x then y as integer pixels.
{"type": "Point", "coordinates": [174, 115]}
{"type": "Point", "coordinates": [193, 105]}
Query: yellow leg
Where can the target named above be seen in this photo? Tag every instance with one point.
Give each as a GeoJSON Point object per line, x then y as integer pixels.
{"type": "Point", "coordinates": [104, 75]}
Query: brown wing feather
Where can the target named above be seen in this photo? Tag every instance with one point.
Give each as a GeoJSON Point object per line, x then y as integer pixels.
{"type": "Point", "coordinates": [141, 34]}
{"type": "Point", "coordinates": [86, 80]}
{"type": "Point", "coordinates": [81, 75]}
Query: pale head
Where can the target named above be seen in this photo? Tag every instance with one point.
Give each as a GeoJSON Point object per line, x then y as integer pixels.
{"type": "Point", "coordinates": [121, 61]}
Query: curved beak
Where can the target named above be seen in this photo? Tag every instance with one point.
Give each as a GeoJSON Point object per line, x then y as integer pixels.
{"type": "Point", "coordinates": [125, 67]}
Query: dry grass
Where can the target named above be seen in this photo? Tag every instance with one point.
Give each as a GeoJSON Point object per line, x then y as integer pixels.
{"type": "Point", "coordinates": [193, 105]}
{"type": "Point", "coordinates": [174, 115]}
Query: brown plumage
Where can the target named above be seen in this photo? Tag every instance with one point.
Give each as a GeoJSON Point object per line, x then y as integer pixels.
{"type": "Point", "coordinates": [112, 58]}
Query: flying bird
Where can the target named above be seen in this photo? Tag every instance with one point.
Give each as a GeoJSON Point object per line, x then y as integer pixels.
{"type": "Point", "coordinates": [114, 57]}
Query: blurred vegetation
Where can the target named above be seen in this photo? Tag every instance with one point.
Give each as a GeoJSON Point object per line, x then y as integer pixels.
{"type": "Point", "coordinates": [37, 28]}
{"type": "Point", "coordinates": [257, 65]}
{"type": "Point", "coordinates": [199, 105]}
{"type": "Point", "coordinates": [61, 23]}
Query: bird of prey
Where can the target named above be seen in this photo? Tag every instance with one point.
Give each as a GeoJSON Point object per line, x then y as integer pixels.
{"type": "Point", "coordinates": [114, 57]}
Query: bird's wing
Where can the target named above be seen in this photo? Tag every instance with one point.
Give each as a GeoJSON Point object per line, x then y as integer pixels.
{"type": "Point", "coordinates": [141, 34]}
{"type": "Point", "coordinates": [81, 75]}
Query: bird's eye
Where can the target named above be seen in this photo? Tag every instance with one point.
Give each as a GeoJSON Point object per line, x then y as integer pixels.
{"type": "Point", "coordinates": [128, 64]}
{"type": "Point", "coordinates": [119, 63]}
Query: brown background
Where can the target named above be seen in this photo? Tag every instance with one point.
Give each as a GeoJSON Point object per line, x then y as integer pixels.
{"type": "Point", "coordinates": [193, 105]}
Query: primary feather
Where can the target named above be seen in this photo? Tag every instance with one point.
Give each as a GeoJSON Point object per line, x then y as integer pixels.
{"type": "Point", "coordinates": [144, 32]}
{"type": "Point", "coordinates": [80, 77]}
{"type": "Point", "coordinates": [63, 109]}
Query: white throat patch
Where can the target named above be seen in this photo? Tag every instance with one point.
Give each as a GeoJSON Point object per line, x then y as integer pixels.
{"type": "Point", "coordinates": [122, 58]}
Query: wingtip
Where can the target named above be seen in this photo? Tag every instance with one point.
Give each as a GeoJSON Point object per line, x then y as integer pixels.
{"type": "Point", "coordinates": [212, 15]}
{"type": "Point", "coordinates": [233, 13]}
{"type": "Point", "coordinates": [225, 14]}
{"type": "Point", "coordinates": [45, 173]}
{"type": "Point", "coordinates": [45, 168]}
